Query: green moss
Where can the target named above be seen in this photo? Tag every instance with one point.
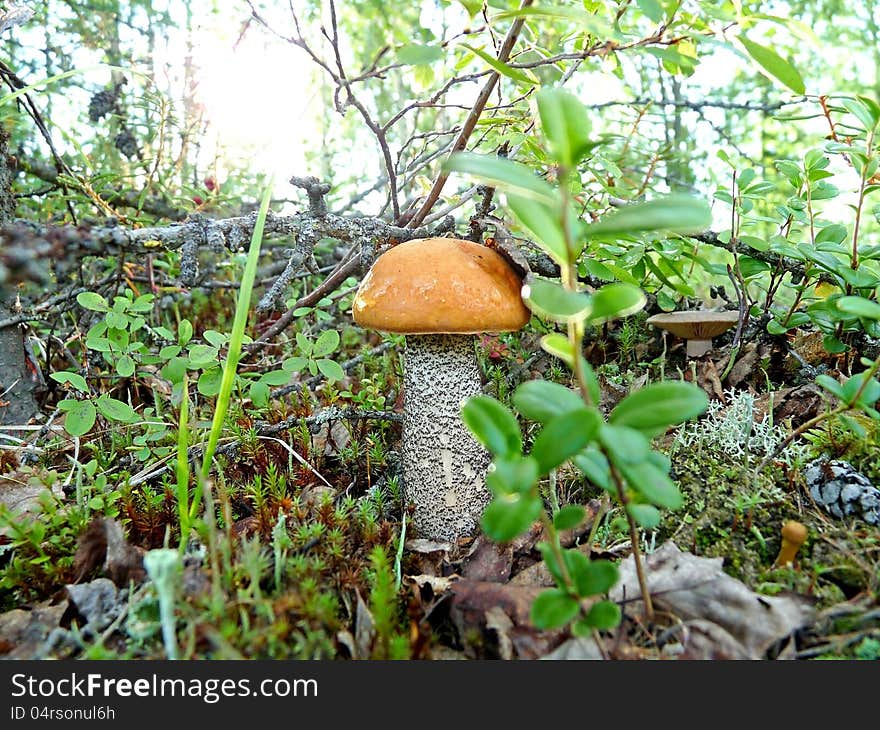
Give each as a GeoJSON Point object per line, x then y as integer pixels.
{"type": "Point", "coordinates": [731, 513]}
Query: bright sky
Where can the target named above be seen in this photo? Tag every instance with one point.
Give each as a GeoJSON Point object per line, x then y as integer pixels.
{"type": "Point", "coordinates": [259, 101]}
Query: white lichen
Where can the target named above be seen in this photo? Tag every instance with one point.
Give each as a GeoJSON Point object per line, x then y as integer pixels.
{"type": "Point", "coordinates": [732, 429]}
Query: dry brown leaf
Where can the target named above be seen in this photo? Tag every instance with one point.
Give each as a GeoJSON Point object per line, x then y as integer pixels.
{"type": "Point", "coordinates": [489, 561]}
{"type": "Point", "coordinates": [420, 545]}
{"type": "Point", "coordinates": [20, 491]}
{"type": "Point", "coordinates": [694, 588]}
{"type": "Point", "coordinates": [103, 544]}
{"type": "Point", "coordinates": [364, 630]}
{"type": "Point", "coordinates": [581, 648]}
{"type": "Point", "coordinates": [475, 609]}
{"type": "Point", "coordinates": [439, 584]}
{"type": "Point", "coordinates": [22, 633]}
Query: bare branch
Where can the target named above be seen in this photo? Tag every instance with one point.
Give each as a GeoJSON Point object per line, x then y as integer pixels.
{"type": "Point", "coordinates": [470, 123]}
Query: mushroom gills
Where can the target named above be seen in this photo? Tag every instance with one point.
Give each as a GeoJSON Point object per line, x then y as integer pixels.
{"type": "Point", "coordinates": [444, 466]}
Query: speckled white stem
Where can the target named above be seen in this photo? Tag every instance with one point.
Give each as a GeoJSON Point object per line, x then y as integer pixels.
{"type": "Point", "coordinates": [444, 467]}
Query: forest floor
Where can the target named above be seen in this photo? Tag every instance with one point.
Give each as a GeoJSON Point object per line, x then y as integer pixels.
{"type": "Point", "coordinates": [310, 555]}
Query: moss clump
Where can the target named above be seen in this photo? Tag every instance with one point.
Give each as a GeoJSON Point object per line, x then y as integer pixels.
{"type": "Point", "coordinates": [732, 513]}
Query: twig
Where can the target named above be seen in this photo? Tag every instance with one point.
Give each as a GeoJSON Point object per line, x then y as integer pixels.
{"type": "Point", "coordinates": [471, 122]}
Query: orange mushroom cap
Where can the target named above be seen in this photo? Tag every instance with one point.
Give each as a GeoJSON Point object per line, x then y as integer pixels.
{"type": "Point", "coordinates": [440, 286]}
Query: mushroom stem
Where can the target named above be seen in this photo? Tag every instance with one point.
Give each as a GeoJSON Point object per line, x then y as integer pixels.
{"type": "Point", "coordinates": [444, 467]}
{"type": "Point", "coordinates": [794, 534]}
{"type": "Point", "coordinates": [698, 348]}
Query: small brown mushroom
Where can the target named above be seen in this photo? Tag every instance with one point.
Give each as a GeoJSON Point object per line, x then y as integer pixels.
{"type": "Point", "coordinates": [439, 292]}
{"type": "Point", "coordinates": [697, 327]}
{"type": "Point", "coordinates": [794, 534]}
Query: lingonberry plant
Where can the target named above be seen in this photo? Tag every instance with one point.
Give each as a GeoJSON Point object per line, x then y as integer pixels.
{"type": "Point", "coordinates": [613, 453]}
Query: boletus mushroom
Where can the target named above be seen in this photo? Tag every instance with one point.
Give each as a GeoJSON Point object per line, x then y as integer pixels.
{"type": "Point", "coordinates": [440, 292]}
{"type": "Point", "coordinates": [697, 327]}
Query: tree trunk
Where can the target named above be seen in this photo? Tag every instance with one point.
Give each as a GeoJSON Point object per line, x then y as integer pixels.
{"type": "Point", "coordinates": [17, 382]}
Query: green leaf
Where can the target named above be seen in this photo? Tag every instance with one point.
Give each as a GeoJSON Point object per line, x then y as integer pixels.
{"type": "Point", "coordinates": [116, 410]}
{"type": "Point", "coordinates": [552, 565]}
{"type": "Point", "coordinates": [125, 366]}
{"type": "Point", "coordinates": [550, 300]}
{"type": "Point", "coordinates": [543, 400]}
{"type": "Point", "coordinates": [853, 425]}
{"type": "Point", "coordinates": [559, 346]}
{"type": "Point", "coordinates": [860, 307]}
{"type": "Point", "coordinates": [565, 436]}
{"type": "Point", "coordinates": [209, 382]}
{"type": "Point", "coordinates": [294, 364]}
{"type": "Point", "coordinates": [493, 425]}
{"type": "Point", "coordinates": [203, 354]}
{"type": "Point", "coordinates": [569, 517]}
{"type": "Point", "coordinates": [75, 379]}
{"type": "Point", "coordinates": [509, 515]}
{"type": "Point", "coordinates": [587, 22]}
{"type": "Point", "coordinates": [81, 415]}
{"type": "Point", "coordinates": [603, 615]}
{"type": "Point", "coordinates": [615, 300]}
{"type": "Point", "coordinates": [831, 385]}
{"type": "Point", "coordinates": [834, 233]}
{"type": "Point", "coordinates": [214, 338]}
{"type": "Point", "coordinates": [624, 444]}
{"type": "Point", "coordinates": [677, 213]}
{"type": "Point", "coordinates": [870, 391]}
{"type": "Point", "coordinates": [275, 378]}
{"type": "Point", "coordinates": [330, 369]}
{"type": "Point", "coordinates": [774, 65]}
{"type": "Point", "coordinates": [511, 475]}
{"type": "Point", "coordinates": [259, 393]}
{"type": "Point", "coordinates": [184, 332]}
{"type": "Point", "coordinates": [590, 577]}
{"type": "Point", "coordinates": [594, 466]}
{"type": "Point", "coordinates": [175, 369]}
{"type": "Point", "coordinates": [591, 381]}
{"type": "Point", "coordinates": [504, 174]}
{"type": "Point", "coordinates": [542, 221]}
{"type": "Point", "coordinates": [91, 300]}
{"type": "Point", "coordinates": [652, 9]}
{"type": "Point", "coordinates": [414, 54]}
{"type": "Point", "coordinates": [520, 75]}
{"type": "Point", "coordinates": [553, 609]}
{"type": "Point", "coordinates": [472, 6]}
{"type": "Point", "coordinates": [566, 125]}
{"type": "Point", "coordinates": [116, 320]}
{"type": "Point", "coordinates": [326, 343]}
{"type": "Point", "coordinates": [647, 516]}
{"type": "Point", "coordinates": [652, 483]}
{"type": "Point", "coordinates": [860, 111]}
{"type": "Point", "coordinates": [657, 406]}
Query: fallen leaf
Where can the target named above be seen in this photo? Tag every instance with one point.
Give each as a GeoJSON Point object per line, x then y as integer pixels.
{"type": "Point", "coordinates": [420, 545]}
{"type": "Point", "coordinates": [103, 544]}
{"type": "Point", "coordinates": [21, 490]}
{"type": "Point", "coordinates": [439, 585]}
{"type": "Point", "coordinates": [703, 640]}
{"type": "Point", "coordinates": [500, 623]}
{"type": "Point", "coordinates": [488, 560]}
{"type": "Point", "coordinates": [24, 632]}
{"type": "Point", "coordinates": [364, 630]}
{"type": "Point", "coordinates": [695, 588]}
{"type": "Point", "coordinates": [580, 648]}
{"type": "Point", "coordinates": [475, 611]}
